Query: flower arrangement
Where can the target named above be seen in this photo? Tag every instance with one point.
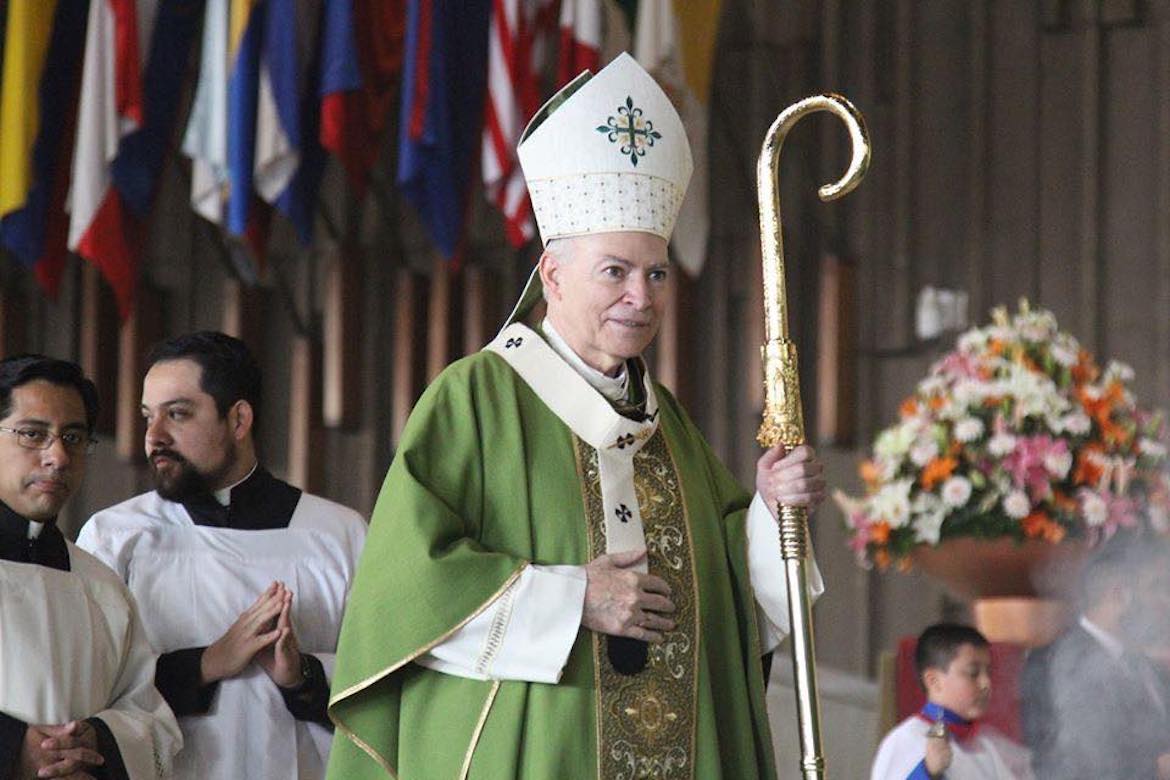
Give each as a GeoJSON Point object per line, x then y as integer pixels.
{"type": "Point", "coordinates": [1015, 433]}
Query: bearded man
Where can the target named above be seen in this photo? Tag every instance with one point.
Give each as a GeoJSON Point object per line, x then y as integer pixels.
{"type": "Point", "coordinates": [241, 577]}
{"type": "Point", "coordinates": [561, 579]}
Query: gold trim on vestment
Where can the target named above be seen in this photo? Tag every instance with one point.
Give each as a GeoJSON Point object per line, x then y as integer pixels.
{"type": "Point", "coordinates": [647, 721]}
{"type": "Point", "coordinates": [596, 637]}
{"type": "Point", "coordinates": [367, 682]}
{"type": "Point", "coordinates": [487, 706]}
{"type": "Point", "coordinates": [682, 493]}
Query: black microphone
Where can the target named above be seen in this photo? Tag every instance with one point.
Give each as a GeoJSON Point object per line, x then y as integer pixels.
{"type": "Point", "coordinates": [628, 656]}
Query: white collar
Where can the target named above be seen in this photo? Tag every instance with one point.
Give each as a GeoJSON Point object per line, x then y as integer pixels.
{"type": "Point", "coordinates": [34, 529]}
{"type": "Point", "coordinates": [614, 388]}
{"type": "Point", "coordinates": [566, 393]}
{"type": "Point", "coordinates": [1111, 644]}
{"type": "Point", "coordinates": [224, 495]}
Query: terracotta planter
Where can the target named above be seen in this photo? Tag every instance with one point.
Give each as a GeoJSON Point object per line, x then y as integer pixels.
{"type": "Point", "coordinates": [1020, 592]}
{"type": "Point", "coordinates": [996, 568]}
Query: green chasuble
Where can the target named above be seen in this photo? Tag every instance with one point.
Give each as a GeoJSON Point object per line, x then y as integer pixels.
{"type": "Point", "coordinates": [488, 479]}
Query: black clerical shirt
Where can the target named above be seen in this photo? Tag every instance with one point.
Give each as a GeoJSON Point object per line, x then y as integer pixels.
{"type": "Point", "coordinates": [259, 503]}
{"type": "Point", "coordinates": [46, 549]}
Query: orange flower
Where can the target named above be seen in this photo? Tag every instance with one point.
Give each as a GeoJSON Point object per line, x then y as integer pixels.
{"type": "Point", "coordinates": [1101, 409]}
{"type": "Point", "coordinates": [1085, 370]}
{"type": "Point", "coordinates": [937, 470]}
{"type": "Point", "coordinates": [879, 532]}
{"type": "Point", "coordinates": [1088, 470]}
{"type": "Point", "coordinates": [882, 558]}
{"type": "Point", "coordinates": [909, 407]}
{"type": "Point", "coordinates": [1064, 502]}
{"type": "Point", "coordinates": [936, 402]}
{"type": "Point", "coordinates": [1039, 526]}
{"type": "Point", "coordinates": [871, 474]}
{"type": "Point", "coordinates": [995, 346]}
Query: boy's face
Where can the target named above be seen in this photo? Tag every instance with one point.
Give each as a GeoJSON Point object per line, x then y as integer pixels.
{"type": "Point", "coordinates": [965, 687]}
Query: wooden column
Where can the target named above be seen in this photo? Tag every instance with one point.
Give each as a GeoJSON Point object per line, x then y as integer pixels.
{"type": "Point", "coordinates": [836, 384]}
{"type": "Point", "coordinates": [141, 330]}
{"type": "Point", "coordinates": [444, 317]}
{"type": "Point", "coordinates": [98, 335]}
{"type": "Point", "coordinates": [667, 344]}
{"type": "Point", "coordinates": [439, 318]}
{"type": "Point", "coordinates": [13, 317]}
{"type": "Point", "coordinates": [243, 313]}
{"type": "Point", "coordinates": [479, 322]}
{"type": "Point", "coordinates": [341, 350]}
{"type": "Point", "coordinates": [410, 298]}
{"type": "Point", "coordinates": [306, 455]}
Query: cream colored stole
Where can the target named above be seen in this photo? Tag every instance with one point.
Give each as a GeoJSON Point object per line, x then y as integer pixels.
{"type": "Point", "coordinates": [591, 417]}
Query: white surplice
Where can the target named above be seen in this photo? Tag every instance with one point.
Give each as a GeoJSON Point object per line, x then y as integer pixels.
{"type": "Point", "coordinates": [72, 647]}
{"type": "Point", "coordinates": [193, 581]}
{"type": "Point", "coordinates": [988, 755]}
{"type": "Point", "coordinates": [527, 633]}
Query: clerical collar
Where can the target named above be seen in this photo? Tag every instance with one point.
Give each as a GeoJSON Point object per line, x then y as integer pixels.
{"type": "Point", "coordinates": [224, 495]}
{"type": "Point", "coordinates": [258, 502]}
{"type": "Point", "coordinates": [614, 388]}
{"type": "Point", "coordinates": [26, 541]}
{"type": "Point", "coordinates": [1111, 643]}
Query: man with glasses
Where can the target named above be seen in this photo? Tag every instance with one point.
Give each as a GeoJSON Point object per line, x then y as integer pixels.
{"type": "Point", "coordinates": [77, 695]}
{"type": "Point", "coordinates": [242, 577]}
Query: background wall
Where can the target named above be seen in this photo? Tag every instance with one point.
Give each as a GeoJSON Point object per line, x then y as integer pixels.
{"type": "Point", "coordinates": [1020, 149]}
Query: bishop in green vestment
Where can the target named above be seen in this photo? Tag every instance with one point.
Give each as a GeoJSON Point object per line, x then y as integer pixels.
{"type": "Point", "coordinates": [561, 580]}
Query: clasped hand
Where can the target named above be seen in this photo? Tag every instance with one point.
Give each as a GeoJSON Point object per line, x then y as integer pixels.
{"type": "Point", "coordinates": [262, 633]}
{"type": "Point", "coordinates": [67, 751]}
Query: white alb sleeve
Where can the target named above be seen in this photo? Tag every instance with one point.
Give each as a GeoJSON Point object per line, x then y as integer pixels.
{"type": "Point", "coordinates": [526, 634]}
{"type": "Point", "coordinates": [766, 569]}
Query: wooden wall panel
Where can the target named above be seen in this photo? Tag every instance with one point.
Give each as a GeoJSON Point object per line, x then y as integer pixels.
{"type": "Point", "coordinates": [1129, 196]}
{"type": "Point", "coordinates": [939, 152]}
{"type": "Point", "coordinates": [1061, 229]}
{"type": "Point", "coordinates": [1013, 98]}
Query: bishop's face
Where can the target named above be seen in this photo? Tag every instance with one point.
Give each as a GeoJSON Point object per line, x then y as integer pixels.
{"type": "Point", "coordinates": [188, 443]}
{"type": "Point", "coordinates": [606, 293]}
{"type": "Point", "coordinates": [36, 483]}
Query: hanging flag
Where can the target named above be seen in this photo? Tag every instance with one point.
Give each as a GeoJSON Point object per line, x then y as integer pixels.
{"type": "Point", "coordinates": [100, 228]}
{"type": "Point", "coordinates": [580, 49]}
{"type": "Point", "coordinates": [205, 139]}
{"type": "Point", "coordinates": [518, 41]}
{"type": "Point", "coordinates": [38, 94]}
{"type": "Point", "coordinates": [674, 40]}
{"type": "Point", "coordinates": [142, 153]}
{"type": "Point", "coordinates": [273, 29]}
{"type": "Point", "coordinates": [221, 133]}
{"type": "Point", "coordinates": [442, 112]}
{"type": "Point", "coordinates": [361, 58]}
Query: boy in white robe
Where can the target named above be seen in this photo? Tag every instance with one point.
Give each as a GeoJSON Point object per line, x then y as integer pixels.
{"type": "Point", "coordinates": [77, 697]}
{"type": "Point", "coordinates": [241, 577]}
{"type": "Point", "coordinates": [945, 738]}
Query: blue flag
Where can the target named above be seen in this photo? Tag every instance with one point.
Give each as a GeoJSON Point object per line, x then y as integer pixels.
{"type": "Point", "coordinates": [443, 88]}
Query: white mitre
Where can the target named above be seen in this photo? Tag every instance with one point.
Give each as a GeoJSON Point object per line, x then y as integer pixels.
{"type": "Point", "coordinates": [606, 153]}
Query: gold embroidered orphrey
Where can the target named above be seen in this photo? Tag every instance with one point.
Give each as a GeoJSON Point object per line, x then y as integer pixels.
{"type": "Point", "coordinates": [646, 722]}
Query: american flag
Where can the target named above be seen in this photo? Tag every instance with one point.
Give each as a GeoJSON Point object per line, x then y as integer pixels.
{"type": "Point", "coordinates": [520, 37]}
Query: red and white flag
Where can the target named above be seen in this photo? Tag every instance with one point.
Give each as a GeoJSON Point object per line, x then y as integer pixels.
{"type": "Point", "coordinates": [100, 225]}
{"type": "Point", "coordinates": [580, 49]}
{"type": "Point", "coordinates": [520, 37]}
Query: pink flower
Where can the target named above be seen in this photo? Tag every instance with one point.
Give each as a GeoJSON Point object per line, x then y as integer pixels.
{"type": "Point", "coordinates": [959, 365]}
{"type": "Point", "coordinates": [1028, 463]}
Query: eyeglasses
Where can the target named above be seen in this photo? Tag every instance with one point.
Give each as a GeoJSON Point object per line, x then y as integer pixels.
{"type": "Point", "coordinates": [74, 442]}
